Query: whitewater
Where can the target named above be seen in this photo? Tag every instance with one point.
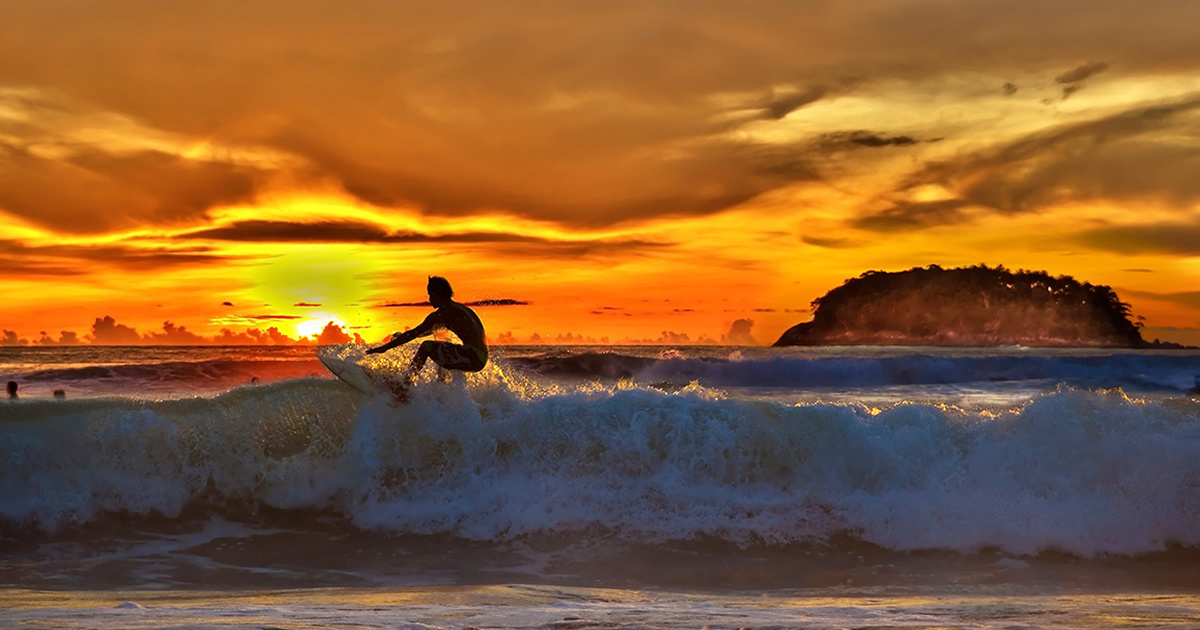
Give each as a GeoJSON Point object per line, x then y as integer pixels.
{"type": "Point", "coordinates": [602, 487]}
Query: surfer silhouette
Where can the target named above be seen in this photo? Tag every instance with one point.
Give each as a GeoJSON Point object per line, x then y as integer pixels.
{"type": "Point", "coordinates": [470, 356]}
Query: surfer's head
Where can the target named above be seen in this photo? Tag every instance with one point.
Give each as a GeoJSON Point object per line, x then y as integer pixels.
{"type": "Point", "coordinates": [439, 290]}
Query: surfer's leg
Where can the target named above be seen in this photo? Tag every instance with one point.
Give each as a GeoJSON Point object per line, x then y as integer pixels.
{"type": "Point", "coordinates": [423, 352]}
{"type": "Point", "coordinates": [453, 356]}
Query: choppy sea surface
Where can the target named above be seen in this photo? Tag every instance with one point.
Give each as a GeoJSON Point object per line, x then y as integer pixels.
{"type": "Point", "coordinates": [601, 487]}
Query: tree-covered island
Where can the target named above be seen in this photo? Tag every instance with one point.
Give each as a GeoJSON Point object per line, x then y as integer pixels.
{"type": "Point", "coordinates": [973, 306]}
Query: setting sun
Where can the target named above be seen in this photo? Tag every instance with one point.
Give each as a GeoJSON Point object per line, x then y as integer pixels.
{"type": "Point", "coordinates": [312, 328]}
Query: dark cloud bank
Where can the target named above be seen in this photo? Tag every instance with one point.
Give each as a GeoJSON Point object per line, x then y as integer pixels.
{"type": "Point", "coordinates": [582, 113]}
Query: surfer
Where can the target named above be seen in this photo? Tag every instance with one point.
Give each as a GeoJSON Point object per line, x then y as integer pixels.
{"type": "Point", "coordinates": [470, 356]}
{"type": "Point", "coordinates": [12, 389]}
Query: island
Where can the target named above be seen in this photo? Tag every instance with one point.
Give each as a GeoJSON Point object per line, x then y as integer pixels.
{"type": "Point", "coordinates": [971, 306]}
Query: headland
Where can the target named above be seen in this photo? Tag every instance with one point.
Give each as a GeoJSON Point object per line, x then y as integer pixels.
{"type": "Point", "coordinates": [971, 306]}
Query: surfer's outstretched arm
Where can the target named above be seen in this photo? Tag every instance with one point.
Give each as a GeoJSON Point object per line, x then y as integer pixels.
{"type": "Point", "coordinates": [399, 339]}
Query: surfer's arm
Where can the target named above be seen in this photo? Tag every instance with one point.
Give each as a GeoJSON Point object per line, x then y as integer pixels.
{"type": "Point", "coordinates": [401, 338]}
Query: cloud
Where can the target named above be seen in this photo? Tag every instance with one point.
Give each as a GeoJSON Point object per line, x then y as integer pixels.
{"type": "Point", "coordinates": [865, 139]}
{"type": "Point", "coordinates": [465, 107]}
{"type": "Point", "coordinates": [333, 333]}
{"type": "Point", "coordinates": [270, 336]}
{"type": "Point", "coordinates": [504, 338]}
{"type": "Point", "coordinates": [1082, 72]}
{"type": "Point", "coordinates": [1073, 79]}
{"type": "Point", "coordinates": [106, 331]}
{"type": "Point", "coordinates": [1190, 299]}
{"type": "Point", "coordinates": [93, 192]}
{"type": "Point", "coordinates": [476, 303]}
{"type": "Point", "coordinates": [69, 259]}
{"type": "Point", "coordinates": [669, 337]}
{"type": "Point", "coordinates": [175, 336]}
{"type": "Point", "coordinates": [15, 267]}
{"type": "Point", "coordinates": [872, 140]}
{"type": "Point", "coordinates": [497, 302]}
{"type": "Point", "coordinates": [350, 231]}
{"type": "Point", "coordinates": [916, 214]}
{"type": "Point", "coordinates": [74, 168]}
{"type": "Point", "coordinates": [693, 174]}
{"type": "Point", "coordinates": [65, 338]}
{"type": "Point", "coordinates": [829, 242]}
{"type": "Point", "coordinates": [784, 104]}
{"type": "Point", "coordinates": [739, 333]}
{"type": "Point", "coordinates": [290, 232]}
{"type": "Point", "coordinates": [1143, 155]}
{"type": "Point", "coordinates": [572, 338]}
{"type": "Point", "coordinates": [1164, 238]}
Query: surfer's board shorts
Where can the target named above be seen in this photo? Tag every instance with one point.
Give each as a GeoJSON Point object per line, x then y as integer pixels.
{"type": "Point", "coordinates": [453, 356]}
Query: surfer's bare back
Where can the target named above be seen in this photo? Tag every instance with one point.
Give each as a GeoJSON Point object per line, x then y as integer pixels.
{"type": "Point", "coordinates": [470, 356]}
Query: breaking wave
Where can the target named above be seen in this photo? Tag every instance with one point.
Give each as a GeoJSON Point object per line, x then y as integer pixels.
{"type": "Point", "coordinates": [496, 456]}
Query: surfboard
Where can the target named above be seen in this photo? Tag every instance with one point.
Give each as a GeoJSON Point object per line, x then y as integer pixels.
{"type": "Point", "coordinates": [341, 362]}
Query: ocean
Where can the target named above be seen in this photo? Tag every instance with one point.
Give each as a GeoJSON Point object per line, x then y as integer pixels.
{"type": "Point", "coordinates": [573, 487]}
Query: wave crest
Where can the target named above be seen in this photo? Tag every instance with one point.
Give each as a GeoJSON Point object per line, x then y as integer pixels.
{"type": "Point", "coordinates": [494, 457]}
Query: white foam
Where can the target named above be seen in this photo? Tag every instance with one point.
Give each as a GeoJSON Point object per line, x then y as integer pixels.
{"type": "Point", "coordinates": [492, 457]}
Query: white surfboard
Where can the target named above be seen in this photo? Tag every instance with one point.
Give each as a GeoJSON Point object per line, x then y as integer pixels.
{"type": "Point", "coordinates": [344, 362]}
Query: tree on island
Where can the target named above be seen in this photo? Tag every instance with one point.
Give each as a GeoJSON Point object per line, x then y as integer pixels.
{"type": "Point", "coordinates": [973, 306]}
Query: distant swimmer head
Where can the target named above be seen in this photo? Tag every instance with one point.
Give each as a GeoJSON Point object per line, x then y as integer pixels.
{"type": "Point", "coordinates": [60, 393]}
{"type": "Point", "coordinates": [12, 389]}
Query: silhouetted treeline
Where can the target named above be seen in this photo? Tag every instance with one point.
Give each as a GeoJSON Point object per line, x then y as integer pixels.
{"type": "Point", "coordinates": [974, 306]}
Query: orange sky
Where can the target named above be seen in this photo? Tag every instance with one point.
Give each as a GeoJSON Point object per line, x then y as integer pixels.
{"type": "Point", "coordinates": [617, 170]}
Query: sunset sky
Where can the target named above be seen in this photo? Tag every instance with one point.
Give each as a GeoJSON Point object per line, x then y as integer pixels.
{"type": "Point", "coordinates": [607, 170]}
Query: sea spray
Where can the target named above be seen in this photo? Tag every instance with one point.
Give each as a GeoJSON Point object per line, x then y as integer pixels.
{"type": "Point", "coordinates": [500, 456]}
